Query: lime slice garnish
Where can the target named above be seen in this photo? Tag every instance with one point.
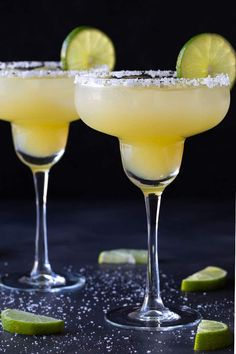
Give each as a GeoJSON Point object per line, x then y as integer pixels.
{"type": "Point", "coordinates": [212, 335]}
{"type": "Point", "coordinates": [207, 54]}
{"type": "Point", "coordinates": [209, 278]}
{"type": "Point", "coordinates": [21, 322]}
{"type": "Point", "coordinates": [118, 256]}
{"type": "Point", "coordinates": [85, 48]}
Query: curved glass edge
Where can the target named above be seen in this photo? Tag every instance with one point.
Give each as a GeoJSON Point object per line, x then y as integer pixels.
{"type": "Point", "coordinates": [157, 78]}
{"type": "Point", "coordinates": [28, 69]}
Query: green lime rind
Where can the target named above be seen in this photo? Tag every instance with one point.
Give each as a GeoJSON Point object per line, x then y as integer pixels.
{"type": "Point", "coordinates": [21, 322]}
{"type": "Point", "coordinates": [209, 278]}
{"type": "Point", "coordinates": [69, 38]}
{"type": "Point", "coordinates": [212, 335]}
{"type": "Point", "coordinates": [207, 54]}
{"type": "Point", "coordinates": [85, 48]}
{"type": "Point", "coordinates": [122, 256]}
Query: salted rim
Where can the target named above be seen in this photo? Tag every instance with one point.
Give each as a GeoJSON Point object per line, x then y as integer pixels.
{"type": "Point", "coordinates": [157, 78]}
{"type": "Point", "coordinates": [31, 69]}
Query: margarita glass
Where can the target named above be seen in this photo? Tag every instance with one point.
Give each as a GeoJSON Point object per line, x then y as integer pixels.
{"type": "Point", "coordinates": [151, 113]}
{"type": "Point", "coordinates": [37, 98]}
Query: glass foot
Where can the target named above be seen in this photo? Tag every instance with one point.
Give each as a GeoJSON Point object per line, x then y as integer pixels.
{"type": "Point", "coordinates": [46, 283]}
{"type": "Point", "coordinates": [132, 318]}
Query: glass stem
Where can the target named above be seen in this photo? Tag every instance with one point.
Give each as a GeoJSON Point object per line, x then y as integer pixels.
{"type": "Point", "coordinates": [41, 262]}
{"type": "Point", "coordinates": [152, 303]}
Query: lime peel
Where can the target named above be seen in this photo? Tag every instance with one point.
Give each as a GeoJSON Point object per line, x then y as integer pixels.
{"type": "Point", "coordinates": [212, 335]}
{"type": "Point", "coordinates": [121, 256]}
{"type": "Point", "coordinates": [209, 278]}
{"type": "Point", "coordinates": [21, 322]}
{"type": "Point", "coordinates": [207, 54]}
{"type": "Point", "coordinates": [85, 48]}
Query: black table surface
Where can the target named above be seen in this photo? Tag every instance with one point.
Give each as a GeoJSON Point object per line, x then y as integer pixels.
{"type": "Point", "coordinates": [193, 234]}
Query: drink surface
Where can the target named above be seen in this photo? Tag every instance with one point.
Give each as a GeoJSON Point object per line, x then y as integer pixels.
{"type": "Point", "coordinates": [151, 122]}
{"type": "Point", "coordinates": [40, 110]}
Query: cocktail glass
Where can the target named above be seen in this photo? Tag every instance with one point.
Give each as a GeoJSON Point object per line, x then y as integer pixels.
{"type": "Point", "coordinates": [151, 113]}
{"type": "Point", "coordinates": [38, 99]}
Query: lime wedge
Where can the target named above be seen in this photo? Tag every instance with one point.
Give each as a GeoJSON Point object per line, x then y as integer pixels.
{"type": "Point", "coordinates": [118, 256]}
{"type": "Point", "coordinates": [212, 335]}
{"type": "Point", "coordinates": [207, 54]}
{"type": "Point", "coordinates": [85, 48]}
{"type": "Point", "coordinates": [21, 322]}
{"type": "Point", "coordinates": [209, 278]}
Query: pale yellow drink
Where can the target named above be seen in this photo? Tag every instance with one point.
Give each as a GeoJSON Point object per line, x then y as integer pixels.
{"type": "Point", "coordinates": [151, 121]}
{"type": "Point", "coordinates": [40, 109]}
{"type": "Point", "coordinates": [37, 98]}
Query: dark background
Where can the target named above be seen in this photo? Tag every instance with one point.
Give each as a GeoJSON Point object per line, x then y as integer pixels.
{"type": "Point", "coordinates": [147, 35]}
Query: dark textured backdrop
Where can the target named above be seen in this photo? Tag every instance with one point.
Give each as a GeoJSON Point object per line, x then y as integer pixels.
{"type": "Point", "coordinates": [147, 35]}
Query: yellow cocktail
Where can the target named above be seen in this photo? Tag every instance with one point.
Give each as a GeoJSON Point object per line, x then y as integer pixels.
{"type": "Point", "coordinates": [38, 99]}
{"type": "Point", "coordinates": [39, 104]}
{"type": "Point", "coordinates": [151, 121]}
{"type": "Point", "coordinates": [152, 113]}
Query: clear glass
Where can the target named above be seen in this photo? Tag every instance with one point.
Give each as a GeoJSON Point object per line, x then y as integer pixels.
{"type": "Point", "coordinates": [151, 113]}
{"type": "Point", "coordinates": [37, 99]}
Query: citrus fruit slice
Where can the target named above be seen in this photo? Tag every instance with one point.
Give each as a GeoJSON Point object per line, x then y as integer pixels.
{"type": "Point", "coordinates": [209, 278]}
{"type": "Point", "coordinates": [207, 54]}
{"type": "Point", "coordinates": [212, 335]}
{"type": "Point", "coordinates": [21, 322]}
{"type": "Point", "coordinates": [85, 48]}
{"type": "Point", "coordinates": [118, 256]}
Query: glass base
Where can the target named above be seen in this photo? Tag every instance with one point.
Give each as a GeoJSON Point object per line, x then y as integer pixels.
{"type": "Point", "coordinates": [131, 317]}
{"type": "Point", "coordinates": [46, 283]}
